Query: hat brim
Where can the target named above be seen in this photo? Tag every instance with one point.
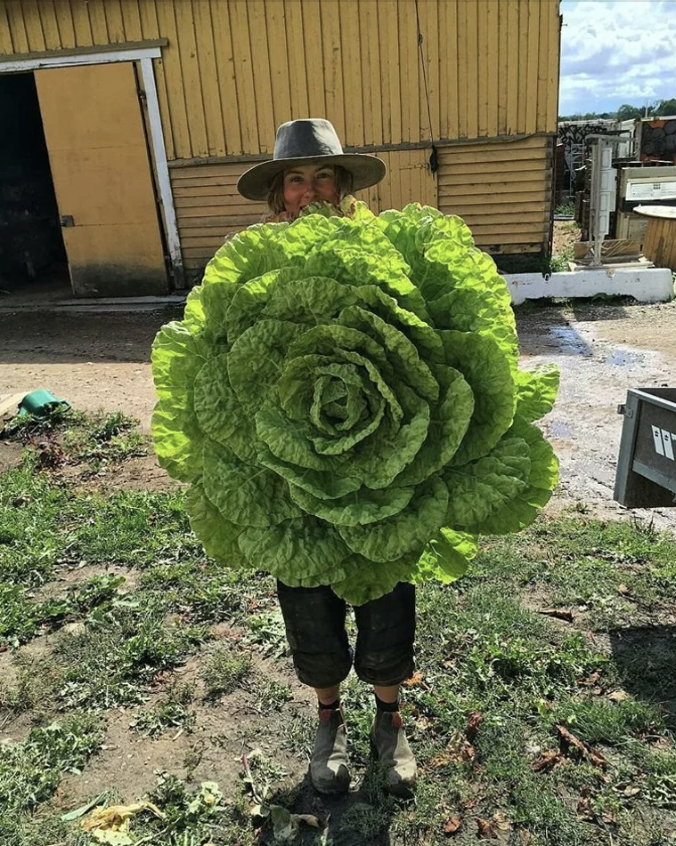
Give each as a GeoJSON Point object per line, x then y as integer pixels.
{"type": "Point", "coordinates": [254, 184]}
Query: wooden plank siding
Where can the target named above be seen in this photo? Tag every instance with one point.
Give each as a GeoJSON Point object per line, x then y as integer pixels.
{"type": "Point", "coordinates": [234, 69]}
{"type": "Point", "coordinates": [503, 190]}
{"type": "Point", "coordinates": [208, 206]}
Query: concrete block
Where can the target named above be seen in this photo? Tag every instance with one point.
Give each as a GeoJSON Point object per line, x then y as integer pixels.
{"type": "Point", "coordinates": [647, 285]}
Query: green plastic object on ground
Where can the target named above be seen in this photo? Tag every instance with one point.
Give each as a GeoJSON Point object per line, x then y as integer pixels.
{"type": "Point", "coordinates": [41, 403]}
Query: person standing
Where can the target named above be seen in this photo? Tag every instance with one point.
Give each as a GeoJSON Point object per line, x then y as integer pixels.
{"type": "Point", "coordinates": [309, 166]}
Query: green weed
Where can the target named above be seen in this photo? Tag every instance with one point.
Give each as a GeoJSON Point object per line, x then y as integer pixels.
{"type": "Point", "coordinates": [273, 695]}
{"type": "Point", "coordinates": [108, 664]}
{"type": "Point", "coordinates": [223, 672]}
{"type": "Point", "coordinates": [30, 771]}
{"type": "Point", "coordinates": [165, 716]}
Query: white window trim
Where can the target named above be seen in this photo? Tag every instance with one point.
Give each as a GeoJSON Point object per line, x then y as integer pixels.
{"type": "Point", "coordinates": [145, 56]}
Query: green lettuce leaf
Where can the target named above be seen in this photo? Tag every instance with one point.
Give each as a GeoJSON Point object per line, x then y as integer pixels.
{"type": "Point", "coordinates": [343, 396]}
{"type": "Point", "coordinates": [536, 391]}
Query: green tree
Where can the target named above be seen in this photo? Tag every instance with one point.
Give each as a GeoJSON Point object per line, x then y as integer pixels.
{"type": "Point", "coordinates": [627, 112]}
{"type": "Point", "coordinates": [667, 107]}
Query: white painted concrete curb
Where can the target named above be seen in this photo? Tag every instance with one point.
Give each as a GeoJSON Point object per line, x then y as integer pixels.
{"type": "Point", "coordinates": [647, 285]}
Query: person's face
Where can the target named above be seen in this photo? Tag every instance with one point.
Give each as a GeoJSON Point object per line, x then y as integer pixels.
{"type": "Point", "coordinates": [309, 184]}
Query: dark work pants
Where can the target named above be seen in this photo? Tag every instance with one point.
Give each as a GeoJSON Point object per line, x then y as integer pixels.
{"type": "Point", "coordinates": [315, 628]}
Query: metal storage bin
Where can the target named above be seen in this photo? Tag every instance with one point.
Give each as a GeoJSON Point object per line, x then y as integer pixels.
{"type": "Point", "coordinates": [646, 466]}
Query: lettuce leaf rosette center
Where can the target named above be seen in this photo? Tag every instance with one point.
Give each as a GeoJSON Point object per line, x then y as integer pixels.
{"type": "Point", "coordinates": [344, 399]}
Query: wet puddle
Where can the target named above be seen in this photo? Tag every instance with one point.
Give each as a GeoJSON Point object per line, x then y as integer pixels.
{"type": "Point", "coordinates": [558, 429]}
{"type": "Point", "coordinates": [624, 358]}
{"type": "Point", "coordinates": [570, 341]}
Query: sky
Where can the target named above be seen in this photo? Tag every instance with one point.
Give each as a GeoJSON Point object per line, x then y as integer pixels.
{"type": "Point", "coordinates": [615, 52]}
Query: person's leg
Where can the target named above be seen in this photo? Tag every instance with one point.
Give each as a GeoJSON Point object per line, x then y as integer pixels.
{"type": "Point", "coordinates": [328, 695]}
{"type": "Point", "coordinates": [314, 619]}
{"type": "Point", "coordinates": [389, 695]}
{"type": "Point", "coordinates": [386, 633]}
{"type": "Point", "coordinates": [384, 658]}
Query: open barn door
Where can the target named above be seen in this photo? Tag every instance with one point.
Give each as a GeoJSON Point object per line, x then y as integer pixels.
{"type": "Point", "coordinates": [102, 176]}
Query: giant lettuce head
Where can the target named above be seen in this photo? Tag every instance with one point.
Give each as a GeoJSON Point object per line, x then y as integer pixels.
{"type": "Point", "coordinates": [344, 399]}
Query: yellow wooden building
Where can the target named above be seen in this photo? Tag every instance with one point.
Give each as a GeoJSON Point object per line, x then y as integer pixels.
{"type": "Point", "coordinates": [153, 108]}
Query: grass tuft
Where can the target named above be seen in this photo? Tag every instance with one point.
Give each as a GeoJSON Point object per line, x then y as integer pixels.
{"type": "Point", "coordinates": [224, 670]}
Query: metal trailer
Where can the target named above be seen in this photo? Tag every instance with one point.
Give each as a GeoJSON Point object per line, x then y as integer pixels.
{"type": "Point", "coordinates": [646, 466]}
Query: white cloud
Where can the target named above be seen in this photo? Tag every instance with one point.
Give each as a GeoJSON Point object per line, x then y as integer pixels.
{"type": "Point", "coordinates": [615, 52]}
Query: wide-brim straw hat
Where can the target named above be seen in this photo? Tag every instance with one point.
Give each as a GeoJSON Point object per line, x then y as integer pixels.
{"type": "Point", "coordinates": [305, 142]}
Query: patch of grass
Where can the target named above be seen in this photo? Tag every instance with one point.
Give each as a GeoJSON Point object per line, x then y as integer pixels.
{"type": "Point", "coordinates": [560, 261]}
{"type": "Point", "coordinates": [364, 820]}
{"type": "Point", "coordinates": [615, 569]}
{"type": "Point", "coordinates": [38, 678]}
{"type": "Point", "coordinates": [204, 592]}
{"type": "Point", "coordinates": [31, 520]}
{"type": "Point", "coordinates": [44, 525]}
{"type": "Point", "coordinates": [30, 771]}
{"type": "Point", "coordinates": [224, 670]}
{"type": "Point", "coordinates": [21, 618]}
{"type": "Point", "coordinates": [164, 716]}
{"type": "Point", "coordinates": [610, 723]}
{"type": "Point", "coordinates": [133, 528]}
{"type": "Point", "coordinates": [108, 663]}
{"type": "Point", "coordinates": [483, 652]}
{"type": "Point", "coordinates": [105, 439]}
{"type": "Point", "coordinates": [273, 696]}
{"type": "Point", "coordinates": [39, 830]}
{"type": "Point", "coordinates": [73, 437]}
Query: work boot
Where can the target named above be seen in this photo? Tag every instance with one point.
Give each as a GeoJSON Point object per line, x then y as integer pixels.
{"type": "Point", "coordinates": [391, 748]}
{"type": "Point", "coordinates": [329, 771]}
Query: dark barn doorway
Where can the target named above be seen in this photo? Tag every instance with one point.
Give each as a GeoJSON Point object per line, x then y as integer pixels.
{"type": "Point", "coordinates": [33, 258]}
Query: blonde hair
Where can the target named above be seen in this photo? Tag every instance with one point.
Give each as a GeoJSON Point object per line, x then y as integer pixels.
{"type": "Point", "coordinates": [276, 196]}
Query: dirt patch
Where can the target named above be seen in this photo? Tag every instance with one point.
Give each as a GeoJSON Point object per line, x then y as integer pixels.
{"type": "Point", "coordinates": [139, 473]}
{"type": "Point", "coordinates": [224, 731]}
{"type": "Point", "coordinates": [10, 455]}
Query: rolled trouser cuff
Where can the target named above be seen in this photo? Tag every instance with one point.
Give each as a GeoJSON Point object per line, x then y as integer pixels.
{"type": "Point", "coordinates": [320, 670]}
{"type": "Point", "coordinates": [385, 669]}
